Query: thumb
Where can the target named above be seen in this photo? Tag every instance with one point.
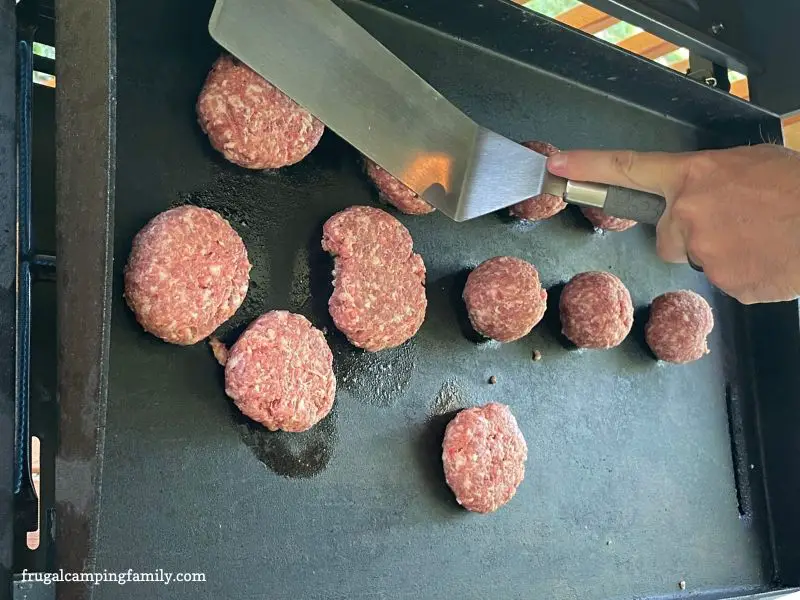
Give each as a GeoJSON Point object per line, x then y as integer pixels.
{"type": "Point", "coordinates": [657, 172]}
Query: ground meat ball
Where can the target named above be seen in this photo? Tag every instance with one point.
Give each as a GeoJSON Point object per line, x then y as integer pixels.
{"type": "Point", "coordinates": [378, 300]}
{"type": "Point", "coordinates": [606, 222]}
{"type": "Point", "coordinates": [542, 206]}
{"type": "Point", "coordinates": [678, 326]}
{"type": "Point", "coordinates": [484, 456]}
{"type": "Point", "coordinates": [280, 372]}
{"type": "Point", "coordinates": [596, 310]}
{"type": "Point", "coordinates": [504, 298]}
{"type": "Point", "coordinates": [251, 122]}
{"type": "Point", "coordinates": [186, 275]}
{"type": "Point", "coordinates": [396, 193]}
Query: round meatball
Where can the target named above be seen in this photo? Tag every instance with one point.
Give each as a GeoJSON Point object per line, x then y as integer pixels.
{"type": "Point", "coordinates": [596, 310]}
{"type": "Point", "coordinates": [395, 192]}
{"type": "Point", "coordinates": [542, 206]}
{"type": "Point", "coordinates": [378, 299]}
{"type": "Point", "coordinates": [504, 298]}
{"type": "Point", "coordinates": [280, 372]}
{"type": "Point", "coordinates": [678, 326]}
{"type": "Point", "coordinates": [251, 122]}
{"type": "Point", "coordinates": [187, 273]}
{"type": "Point", "coordinates": [606, 222]}
{"type": "Point", "coordinates": [484, 456]}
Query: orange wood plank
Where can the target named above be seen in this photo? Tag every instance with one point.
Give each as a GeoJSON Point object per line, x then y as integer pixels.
{"type": "Point", "coordinates": [647, 45]}
{"type": "Point", "coordinates": [681, 66]}
{"type": "Point", "coordinates": [791, 132]}
{"type": "Point", "coordinates": [741, 88]}
{"type": "Point", "coordinates": [587, 18]}
{"type": "Point", "coordinates": [793, 120]}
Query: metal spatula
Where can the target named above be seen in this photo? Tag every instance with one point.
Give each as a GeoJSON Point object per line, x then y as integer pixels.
{"type": "Point", "coordinates": [330, 65]}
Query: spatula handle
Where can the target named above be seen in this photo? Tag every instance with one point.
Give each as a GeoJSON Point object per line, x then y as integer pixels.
{"type": "Point", "coordinates": [631, 204]}
{"type": "Point", "coordinates": [616, 201]}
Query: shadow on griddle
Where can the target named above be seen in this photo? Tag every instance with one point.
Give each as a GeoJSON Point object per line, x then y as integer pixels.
{"type": "Point", "coordinates": [504, 216]}
{"type": "Point", "coordinates": [574, 218]}
{"type": "Point", "coordinates": [333, 153]}
{"type": "Point", "coordinates": [295, 455]}
{"type": "Point", "coordinates": [636, 338]}
{"type": "Point", "coordinates": [429, 456]}
{"type": "Point", "coordinates": [552, 318]}
{"type": "Point", "coordinates": [453, 288]}
{"type": "Point", "coordinates": [320, 287]}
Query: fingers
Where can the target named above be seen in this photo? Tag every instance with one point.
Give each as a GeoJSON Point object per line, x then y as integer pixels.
{"type": "Point", "coordinates": [657, 172]}
{"type": "Point", "coordinates": [671, 240]}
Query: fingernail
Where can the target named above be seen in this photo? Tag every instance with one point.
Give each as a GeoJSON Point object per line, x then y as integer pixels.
{"type": "Point", "coordinates": [557, 162]}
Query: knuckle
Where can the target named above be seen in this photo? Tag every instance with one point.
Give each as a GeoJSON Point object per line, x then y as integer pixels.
{"type": "Point", "coordinates": [682, 211]}
{"type": "Point", "coordinates": [701, 164]}
{"type": "Point", "coordinates": [623, 162]}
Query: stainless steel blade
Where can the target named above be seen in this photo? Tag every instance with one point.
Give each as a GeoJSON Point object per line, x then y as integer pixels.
{"type": "Point", "coordinates": [330, 65]}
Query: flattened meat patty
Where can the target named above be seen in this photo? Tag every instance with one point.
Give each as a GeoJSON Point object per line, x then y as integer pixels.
{"type": "Point", "coordinates": [596, 310]}
{"type": "Point", "coordinates": [678, 326]}
{"type": "Point", "coordinates": [606, 222]}
{"type": "Point", "coordinates": [504, 298]}
{"type": "Point", "coordinates": [280, 372]}
{"type": "Point", "coordinates": [542, 206]}
{"type": "Point", "coordinates": [378, 300]}
{"type": "Point", "coordinates": [187, 273]}
{"type": "Point", "coordinates": [484, 456]}
{"type": "Point", "coordinates": [251, 122]}
{"type": "Point", "coordinates": [395, 192]}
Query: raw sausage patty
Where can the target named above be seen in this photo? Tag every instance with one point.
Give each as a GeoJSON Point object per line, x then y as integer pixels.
{"type": "Point", "coordinates": [484, 456]}
{"type": "Point", "coordinates": [187, 273]}
{"type": "Point", "coordinates": [378, 300]}
{"type": "Point", "coordinates": [596, 310]}
{"type": "Point", "coordinates": [542, 206]}
{"type": "Point", "coordinates": [678, 326]}
{"type": "Point", "coordinates": [280, 372]}
{"type": "Point", "coordinates": [250, 121]}
{"type": "Point", "coordinates": [504, 298]}
{"type": "Point", "coordinates": [606, 222]}
{"type": "Point", "coordinates": [396, 193]}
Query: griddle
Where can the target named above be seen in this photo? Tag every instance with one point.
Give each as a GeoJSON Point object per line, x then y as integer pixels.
{"type": "Point", "coordinates": [640, 475]}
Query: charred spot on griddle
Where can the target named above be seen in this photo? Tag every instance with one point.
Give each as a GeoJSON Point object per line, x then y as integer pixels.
{"type": "Point", "coordinates": [295, 455]}
{"type": "Point", "coordinates": [376, 378]}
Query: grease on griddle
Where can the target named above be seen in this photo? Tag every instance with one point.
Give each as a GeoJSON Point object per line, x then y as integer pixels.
{"type": "Point", "coordinates": [376, 378]}
{"type": "Point", "coordinates": [295, 455]}
{"type": "Point", "coordinates": [449, 399]}
{"type": "Point", "coordinates": [300, 291]}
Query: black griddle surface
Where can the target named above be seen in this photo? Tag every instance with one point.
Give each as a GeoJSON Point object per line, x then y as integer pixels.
{"type": "Point", "coordinates": [630, 483]}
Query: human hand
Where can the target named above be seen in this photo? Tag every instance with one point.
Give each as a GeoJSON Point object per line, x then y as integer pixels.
{"type": "Point", "coordinates": [735, 212]}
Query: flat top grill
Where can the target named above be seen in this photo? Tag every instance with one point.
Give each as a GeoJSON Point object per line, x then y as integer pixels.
{"type": "Point", "coordinates": [639, 476]}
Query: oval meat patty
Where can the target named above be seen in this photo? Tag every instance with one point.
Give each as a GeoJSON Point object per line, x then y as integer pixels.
{"type": "Point", "coordinates": [187, 273]}
{"type": "Point", "coordinates": [596, 310]}
{"type": "Point", "coordinates": [542, 206]}
{"type": "Point", "coordinates": [606, 222]}
{"type": "Point", "coordinates": [280, 372]}
{"type": "Point", "coordinates": [484, 456]}
{"type": "Point", "coordinates": [378, 300]}
{"type": "Point", "coordinates": [251, 122]}
{"type": "Point", "coordinates": [395, 192]}
{"type": "Point", "coordinates": [504, 298]}
{"type": "Point", "coordinates": [678, 326]}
